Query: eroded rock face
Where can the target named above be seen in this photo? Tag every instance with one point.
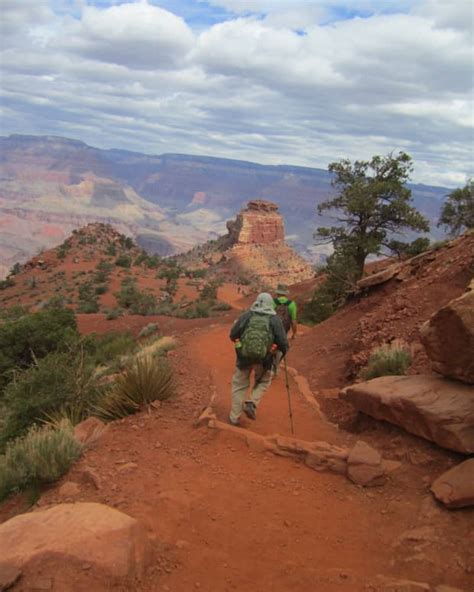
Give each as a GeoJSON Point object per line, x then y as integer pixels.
{"type": "Point", "coordinates": [455, 488]}
{"type": "Point", "coordinates": [448, 338]}
{"type": "Point", "coordinates": [255, 245]}
{"type": "Point", "coordinates": [88, 532]}
{"type": "Point", "coordinates": [258, 224]}
{"type": "Point", "coordinates": [434, 408]}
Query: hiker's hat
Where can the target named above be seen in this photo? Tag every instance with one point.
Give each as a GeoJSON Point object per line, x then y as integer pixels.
{"type": "Point", "coordinates": [263, 304]}
{"type": "Point", "coordinates": [282, 290]}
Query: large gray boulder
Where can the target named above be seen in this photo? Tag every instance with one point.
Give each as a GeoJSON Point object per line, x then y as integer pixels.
{"type": "Point", "coordinates": [434, 408]}
{"type": "Point", "coordinates": [87, 532]}
{"type": "Point", "coordinates": [455, 488]}
{"type": "Point", "coordinates": [448, 337]}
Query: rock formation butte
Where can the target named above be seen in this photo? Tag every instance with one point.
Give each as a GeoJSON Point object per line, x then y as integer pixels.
{"type": "Point", "coordinates": [255, 246]}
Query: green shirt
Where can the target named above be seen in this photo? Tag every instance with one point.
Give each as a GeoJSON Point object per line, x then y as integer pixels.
{"type": "Point", "coordinates": [292, 308]}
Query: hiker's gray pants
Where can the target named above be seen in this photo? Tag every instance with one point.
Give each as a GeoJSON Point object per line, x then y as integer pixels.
{"type": "Point", "coordinates": [241, 383]}
{"type": "Point", "coordinates": [278, 359]}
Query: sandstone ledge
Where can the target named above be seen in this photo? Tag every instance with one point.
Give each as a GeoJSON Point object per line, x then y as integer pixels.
{"type": "Point", "coordinates": [434, 408]}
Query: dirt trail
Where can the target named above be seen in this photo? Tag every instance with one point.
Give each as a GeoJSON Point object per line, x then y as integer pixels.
{"type": "Point", "coordinates": [224, 518]}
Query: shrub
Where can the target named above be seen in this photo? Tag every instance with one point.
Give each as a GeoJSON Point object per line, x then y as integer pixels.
{"type": "Point", "coordinates": [209, 291]}
{"type": "Point", "coordinates": [59, 381]}
{"type": "Point", "coordinates": [111, 250]}
{"type": "Point", "coordinates": [123, 261]}
{"type": "Point", "coordinates": [7, 283]}
{"type": "Point", "coordinates": [113, 313]}
{"type": "Point", "coordinates": [104, 266]}
{"type": "Point", "coordinates": [144, 381]}
{"type": "Point", "coordinates": [33, 336]}
{"type": "Point", "coordinates": [104, 348]}
{"type": "Point", "coordinates": [148, 330]}
{"type": "Point", "coordinates": [43, 455]}
{"type": "Point", "coordinates": [136, 302]}
{"type": "Point", "coordinates": [126, 242]}
{"type": "Point", "coordinates": [221, 306]}
{"type": "Point", "coordinates": [388, 360]}
{"type": "Point", "coordinates": [88, 307]}
{"type": "Point", "coordinates": [100, 290]}
{"type": "Point", "coordinates": [200, 310]}
{"type": "Point", "coordinates": [13, 313]}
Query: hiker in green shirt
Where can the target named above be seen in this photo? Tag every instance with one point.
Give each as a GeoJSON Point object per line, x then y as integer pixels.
{"type": "Point", "coordinates": [287, 310]}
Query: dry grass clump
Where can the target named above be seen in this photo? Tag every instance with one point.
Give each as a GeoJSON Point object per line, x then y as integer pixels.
{"type": "Point", "coordinates": [43, 455]}
{"type": "Point", "coordinates": [145, 380]}
{"type": "Point", "coordinates": [391, 359]}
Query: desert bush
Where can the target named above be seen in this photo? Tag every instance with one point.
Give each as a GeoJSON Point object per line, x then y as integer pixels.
{"type": "Point", "coordinates": [137, 302]}
{"type": "Point", "coordinates": [33, 336]}
{"type": "Point", "coordinates": [113, 313]}
{"type": "Point", "coordinates": [111, 250]}
{"type": "Point", "coordinates": [102, 349]}
{"type": "Point", "coordinates": [220, 306]}
{"type": "Point", "coordinates": [59, 381]}
{"type": "Point", "coordinates": [198, 311]}
{"type": "Point", "coordinates": [7, 283]}
{"type": "Point", "coordinates": [123, 261]}
{"type": "Point", "coordinates": [104, 266]}
{"type": "Point", "coordinates": [144, 381]}
{"type": "Point", "coordinates": [13, 313]}
{"type": "Point", "coordinates": [102, 289]}
{"type": "Point", "coordinates": [388, 360]}
{"type": "Point", "coordinates": [148, 330]}
{"type": "Point", "coordinates": [126, 242]}
{"type": "Point", "coordinates": [89, 307]}
{"type": "Point", "coordinates": [43, 455]}
{"type": "Point", "coordinates": [209, 291]}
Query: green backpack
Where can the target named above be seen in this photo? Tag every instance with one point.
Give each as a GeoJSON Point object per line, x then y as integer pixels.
{"type": "Point", "coordinates": [257, 338]}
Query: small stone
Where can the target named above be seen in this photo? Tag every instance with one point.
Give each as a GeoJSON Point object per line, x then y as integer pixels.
{"type": "Point", "coordinates": [127, 467]}
{"type": "Point", "coordinates": [9, 575]}
{"type": "Point", "coordinates": [88, 475]}
{"type": "Point", "coordinates": [69, 489]}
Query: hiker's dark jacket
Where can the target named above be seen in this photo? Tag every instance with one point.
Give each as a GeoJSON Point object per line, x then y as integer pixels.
{"type": "Point", "coordinates": [279, 337]}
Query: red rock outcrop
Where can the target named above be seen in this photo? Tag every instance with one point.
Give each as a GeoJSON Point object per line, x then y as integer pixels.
{"type": "Point", "coordinates": [256, 247]}
{"type": "Point", "coordinates": [448, 337]}
{"type": "Point", "coordinates": [434, 408]}
{"type": "Point", "coordinates": [259, 224]}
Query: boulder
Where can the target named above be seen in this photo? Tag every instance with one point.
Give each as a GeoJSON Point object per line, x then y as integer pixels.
{"type": "Point", "coordinates": [455, 488]}
{"type": "Point", "coordinates": [89, 431]}
{"type": "Point", "coordinates": [448, 337]}
{"type": "Point", "coordinates": [434, 408]}
{"type": "Point", "coordinates": [89, 532]}
{"type": "Point", "coordinates": [380, 277]}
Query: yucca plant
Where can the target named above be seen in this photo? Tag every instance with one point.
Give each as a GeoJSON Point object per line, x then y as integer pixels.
{"type": "Point", "coordinates": [41, 456]}
{"type": "Point", "coordinates": [392, 359]}
{"type": "Point", "coordinates": [144, 381]}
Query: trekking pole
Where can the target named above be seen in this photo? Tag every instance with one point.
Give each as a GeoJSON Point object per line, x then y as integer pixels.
{"type": "Point", "coordinates": [290, 412]}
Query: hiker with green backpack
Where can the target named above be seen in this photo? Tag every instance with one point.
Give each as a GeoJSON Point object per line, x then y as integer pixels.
{"type": "Point", "coordinates": [287, 310]}
{"type": "Point", "coordinates": [257, 334]}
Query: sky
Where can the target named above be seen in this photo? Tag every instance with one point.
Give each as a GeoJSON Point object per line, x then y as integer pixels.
{"type": "Point", "coordinates": [300, 82]}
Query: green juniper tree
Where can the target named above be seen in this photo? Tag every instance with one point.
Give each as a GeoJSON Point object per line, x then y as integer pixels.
{"type": "Point", "coordinates": [457, 213]}
{"type": "Point", "coordinates": [373, 202]}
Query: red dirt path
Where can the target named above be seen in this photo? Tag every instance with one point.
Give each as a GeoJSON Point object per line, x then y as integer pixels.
{"type": "Point", "coordinates": [224, 518]}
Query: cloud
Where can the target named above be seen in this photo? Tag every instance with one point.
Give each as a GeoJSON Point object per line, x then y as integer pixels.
{"type": "Point", "coordinates": [136, 35]}
{"type": "Point", "coordinates": [269, 81]}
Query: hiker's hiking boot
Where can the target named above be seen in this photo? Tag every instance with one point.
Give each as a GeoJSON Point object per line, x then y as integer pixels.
{"type": "Point", "coordinates": [234, 422]}
{"type": "Point", "coordinates": [250, 410]}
